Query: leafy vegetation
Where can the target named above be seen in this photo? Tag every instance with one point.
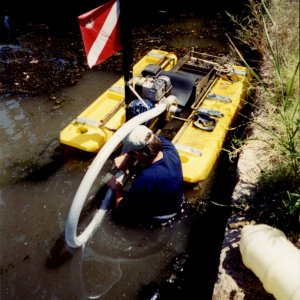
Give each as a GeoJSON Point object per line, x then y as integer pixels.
{"type": "Point", "coordinates": [273, 31]}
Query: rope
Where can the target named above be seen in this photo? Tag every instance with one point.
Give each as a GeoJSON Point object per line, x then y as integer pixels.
{"type": "Point", "coordinates": [225, 69]}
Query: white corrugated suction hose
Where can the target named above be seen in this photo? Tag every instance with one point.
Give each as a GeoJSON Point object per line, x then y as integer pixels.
{"type": "Point", "coordinates": [71, 237]}
{"type": "Point", "coordinates": [273, 259]}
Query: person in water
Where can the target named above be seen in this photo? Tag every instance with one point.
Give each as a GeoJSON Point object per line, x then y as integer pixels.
{"type": "Point", "coordinates": [156, 193]}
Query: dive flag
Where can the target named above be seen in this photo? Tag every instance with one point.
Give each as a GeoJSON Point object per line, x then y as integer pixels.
{"type": "Point", "coordinates": [100, 34]}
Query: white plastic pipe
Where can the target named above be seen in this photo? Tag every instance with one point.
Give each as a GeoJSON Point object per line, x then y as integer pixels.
{"type": "Point", "coordinates": [71, 237]}
{"type": "Point", "coordinates": [273, 259]}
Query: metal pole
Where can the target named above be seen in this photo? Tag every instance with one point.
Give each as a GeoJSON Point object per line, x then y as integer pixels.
{"type": "Point", "coordinates": [125, 30]}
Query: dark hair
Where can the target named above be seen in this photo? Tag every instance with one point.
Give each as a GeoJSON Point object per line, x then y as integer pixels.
{"type": "Point", "coordinates": [152, 149]}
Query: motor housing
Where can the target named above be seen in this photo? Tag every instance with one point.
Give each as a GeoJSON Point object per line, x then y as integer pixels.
{"type": "Point", "coordinates": [153, 88]}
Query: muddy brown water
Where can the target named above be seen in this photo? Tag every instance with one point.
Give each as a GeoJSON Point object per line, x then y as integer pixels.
{"type": "Point", "coordinates": [117, 262]}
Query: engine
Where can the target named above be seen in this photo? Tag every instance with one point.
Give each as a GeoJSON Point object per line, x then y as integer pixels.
{"type": "Point", "coordinates": [153, 88]}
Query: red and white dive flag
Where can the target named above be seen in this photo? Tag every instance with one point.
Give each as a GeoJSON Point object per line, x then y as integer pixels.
{"type": "Point", "coordinates": [100, 34]}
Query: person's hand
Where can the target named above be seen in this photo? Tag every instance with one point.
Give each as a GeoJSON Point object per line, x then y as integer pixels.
{"type": "Point", "coordinates": [114, 183]}
{"type": "Point", "coordinates": [122, 162]}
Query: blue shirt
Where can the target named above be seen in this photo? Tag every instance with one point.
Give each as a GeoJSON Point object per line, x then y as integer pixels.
{"type": "Point", "coordinates": [157, 190]}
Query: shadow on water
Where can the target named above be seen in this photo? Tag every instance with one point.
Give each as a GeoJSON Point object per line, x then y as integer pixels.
{"type": "Point", "coordinates": [61, 253]}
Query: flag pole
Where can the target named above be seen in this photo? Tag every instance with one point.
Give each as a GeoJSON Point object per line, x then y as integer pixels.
{"type": "Point", "coordinates": [125, 30]}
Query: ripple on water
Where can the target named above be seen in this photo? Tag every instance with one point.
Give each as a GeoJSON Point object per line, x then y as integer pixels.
{"type": "Point", "coordinates": [106, 273]}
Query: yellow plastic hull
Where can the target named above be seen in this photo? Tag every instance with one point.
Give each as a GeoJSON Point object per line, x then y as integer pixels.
{"type": "Point", "coordinates": [199, 149]}
{"type": "Point", "coordinates": [97, 123]}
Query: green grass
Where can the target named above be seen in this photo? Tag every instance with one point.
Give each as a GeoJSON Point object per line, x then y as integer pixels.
{"type": "Point", "coordinates": [273, 31]}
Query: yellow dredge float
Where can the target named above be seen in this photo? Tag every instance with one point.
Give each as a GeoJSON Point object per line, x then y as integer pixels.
{"type": "Point", "coordinates": [209, 98]}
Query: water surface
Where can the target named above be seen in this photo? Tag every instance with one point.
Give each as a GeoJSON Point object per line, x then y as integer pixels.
{"type": "Point", "coordinates": [117, 261]}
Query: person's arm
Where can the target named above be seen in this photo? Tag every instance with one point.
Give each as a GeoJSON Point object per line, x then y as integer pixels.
{"type": "Point", "coordinates": [123, 162]}
{"type": "Point", "coordinates": [117, 188]}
